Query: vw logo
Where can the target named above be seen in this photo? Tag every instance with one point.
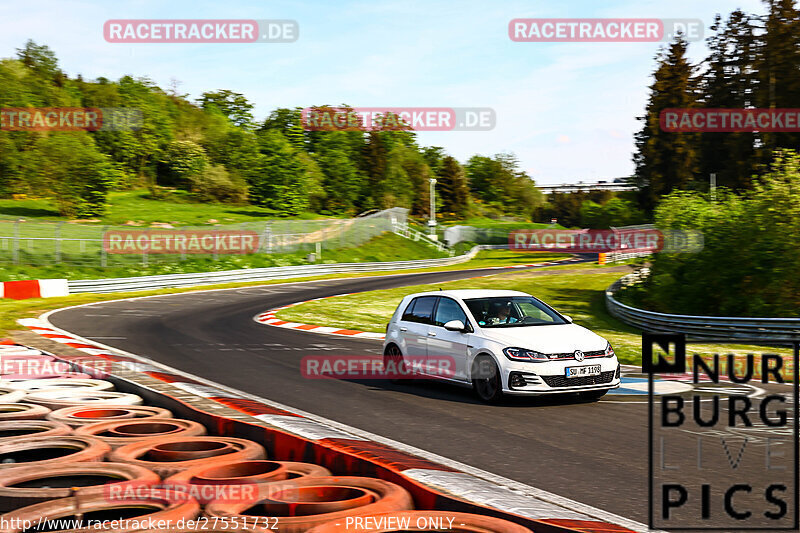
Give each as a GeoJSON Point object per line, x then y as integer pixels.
{"type": "Point", "coordinates": [578, 355]}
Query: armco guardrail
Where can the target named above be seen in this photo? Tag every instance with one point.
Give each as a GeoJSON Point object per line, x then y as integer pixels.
{"type": "Point", "coordinates": [768, 330]}
{"type": "Point", "coordinates": [166, 281]}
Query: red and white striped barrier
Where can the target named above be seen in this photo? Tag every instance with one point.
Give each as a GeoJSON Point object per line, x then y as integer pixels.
{"type": "Point", "coordinates": [34, 288]}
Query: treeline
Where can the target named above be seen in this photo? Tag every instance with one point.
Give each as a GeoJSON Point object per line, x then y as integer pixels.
{"type": "Point", "coordinates": [213, 149]}
{"type": "Point", "coordinates": [753, 62]}
{"type": "Point", "coordinates": [592, 209]}
{"type": "Point", "coordinates": [748, 266]}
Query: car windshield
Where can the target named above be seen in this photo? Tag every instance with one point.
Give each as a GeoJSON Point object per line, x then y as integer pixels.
{"type": "Point", "coordinates": [512, 311]}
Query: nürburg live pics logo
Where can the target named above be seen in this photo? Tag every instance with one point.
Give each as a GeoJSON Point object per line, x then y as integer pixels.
{"type": "Point", "coordinates": [724, 456]}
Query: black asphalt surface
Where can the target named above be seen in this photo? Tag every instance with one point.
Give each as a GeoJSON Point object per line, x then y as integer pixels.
{"type": "Point", "coordinates": [594, 453]}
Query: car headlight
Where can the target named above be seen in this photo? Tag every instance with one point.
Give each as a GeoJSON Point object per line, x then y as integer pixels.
{"type": "Point", "coordinates": [521, 354]}
{"type": "Point", "coordinates": [609, 351]}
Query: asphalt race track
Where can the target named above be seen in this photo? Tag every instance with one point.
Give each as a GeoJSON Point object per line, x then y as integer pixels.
{"type": "Point", "coordinates": [594, 453]}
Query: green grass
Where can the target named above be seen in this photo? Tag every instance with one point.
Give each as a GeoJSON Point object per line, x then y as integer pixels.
{"type": "Point", "coordinates": [386, 247]}
{"type": "Point", "coordinates": [136, 206]}
{"type": "Point", "coordinates": [580, 295]}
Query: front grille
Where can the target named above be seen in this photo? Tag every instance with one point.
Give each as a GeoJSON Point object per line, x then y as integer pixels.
{"type": "Point", "coordinates": [562, 381]}
{"type": "Point", "coordinates": [571, 355]}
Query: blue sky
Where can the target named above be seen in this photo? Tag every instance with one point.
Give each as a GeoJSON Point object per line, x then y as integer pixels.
{"type": "Point", "coordinates": [567, 110]}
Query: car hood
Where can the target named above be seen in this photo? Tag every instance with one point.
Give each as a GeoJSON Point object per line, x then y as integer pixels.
{"type": "Point", "coordinates": [561, 338]}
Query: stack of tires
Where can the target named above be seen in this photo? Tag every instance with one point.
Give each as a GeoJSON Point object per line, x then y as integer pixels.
{"type": "Point", "coordinates": [76, 455]}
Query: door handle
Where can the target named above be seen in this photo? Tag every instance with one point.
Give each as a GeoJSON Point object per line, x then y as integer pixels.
{"type": "Point", "coordinates": [403, 329]}
{"type": "Point", "coordinates": [431, 334]}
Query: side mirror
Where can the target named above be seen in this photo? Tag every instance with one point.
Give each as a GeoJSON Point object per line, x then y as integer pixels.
{"type": "Point", "coordinates": [455, 325]}
{"type": "Point", "coordinates": [569, 318]}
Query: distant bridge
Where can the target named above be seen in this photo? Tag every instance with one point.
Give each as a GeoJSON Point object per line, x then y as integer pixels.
{"type": "Point", "coordinates": [617, 185]}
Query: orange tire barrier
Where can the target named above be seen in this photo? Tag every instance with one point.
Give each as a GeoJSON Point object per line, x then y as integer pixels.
{"type": "Point", "coordinates": [23, 429]}
{"type": "Point", "coordinates": [169, 455]}
{"type": "Point", "coordinates": [312, 501]}
{"type": "Point", "coordinates": [154, 507]}
{"type": "Point", "coordinates": [9, 395]}
{"type": "Point", "coordinates": [48, 451]}
{"type": "Point", "coordinates": [82, 415]}
{"type": "Point", "coordinates": [261, 475]}
{"type": "Point", "coordinates": [56, 399]}
{"type": "Point", "coordinates": [121, 432]}
{"type": "Point", "coordinates": [202, 526]}
{"type": "Point", "coordinates": [27, 485]}
{"type": "Point", "coordinates": [22, 411]}
{"type": "Point", "coordinates": [421, 521]}
{"type": "Point", "coordinates": [34, 385]}
{"type": "Point", "coordinates": [14, 378]}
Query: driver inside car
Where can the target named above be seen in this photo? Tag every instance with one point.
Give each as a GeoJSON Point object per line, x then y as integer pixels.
{"type": "Point", "coordinates": [501, 314]}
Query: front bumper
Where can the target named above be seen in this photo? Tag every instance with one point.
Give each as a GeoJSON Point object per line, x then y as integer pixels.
{"type": "Point", "coordinates": [551, 379]}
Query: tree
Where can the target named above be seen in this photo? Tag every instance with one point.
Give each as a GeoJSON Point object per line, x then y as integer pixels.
{"type": "Point", "coordinates": [500, 184]}
{"type": "Point", "coordinates": [777, 65]}
{"type": "Point", "coordinates": [69, 167]}
{"type": "Point", "coordinates": [344, 182]}
{"type": "Point", "coordinates": [730, 81]}
{"type": "Point", "coordinates": [289, 123]}
{"type": "Point", "coordinates": [434, 157]}
{"type": "Point", "coordinates": [453, 189]}
{"type": "Point", "coordinates": [280, 181]}
{"type": "Point", "coordinates": [41, 60]}
{"type": "Point", "coordinates": [181, 161]}
{"type": "Point", "coordinates": [9, 165]}
{"type": "Point", "coordinates": [233, 105]}
{"type": "Point", "coordinates": [666, 160]}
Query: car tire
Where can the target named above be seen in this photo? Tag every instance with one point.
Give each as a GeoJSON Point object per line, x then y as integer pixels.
{"type": "Point", "coordinates": [592, 395]}
{"type": "Point", "coordinates": [395, 356]}
{"type": "Point", "coordinates": [486, 381]}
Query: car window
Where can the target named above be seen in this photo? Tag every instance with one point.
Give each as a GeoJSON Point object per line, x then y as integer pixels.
{"type": "Point", "coordinates": [448, 310]}
{"type": "Point", "coordinates": [512, 311]}
{"type": "Point", "coordinates": [408, 311]}
{"type": "Point", "coordinates": [421, 309]}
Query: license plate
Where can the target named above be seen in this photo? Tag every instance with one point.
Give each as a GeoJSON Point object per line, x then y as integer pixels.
{"type": "Point", "coordinates": [583, 371]}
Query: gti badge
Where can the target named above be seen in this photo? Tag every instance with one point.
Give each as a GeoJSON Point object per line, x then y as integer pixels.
{"type": "Point", "coordinates": [578, 355]}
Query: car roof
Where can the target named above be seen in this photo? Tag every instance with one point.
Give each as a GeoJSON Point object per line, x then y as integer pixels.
{"type": "Point", "coordinates": [472, 293]}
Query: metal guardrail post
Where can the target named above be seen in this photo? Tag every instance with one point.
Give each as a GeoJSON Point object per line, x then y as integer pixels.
{"type": "Point", "coordinates": [57, 242]}
{"type": "Point", "coordinates": [103, 251]}
{"type": "Point", "coordinates": [216, 240]}
{"type": "Point", "coordinates": [15, 245]}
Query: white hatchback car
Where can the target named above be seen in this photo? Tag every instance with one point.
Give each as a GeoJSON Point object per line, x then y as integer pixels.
{"type": "Point", "coordinates": [500, 342]}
